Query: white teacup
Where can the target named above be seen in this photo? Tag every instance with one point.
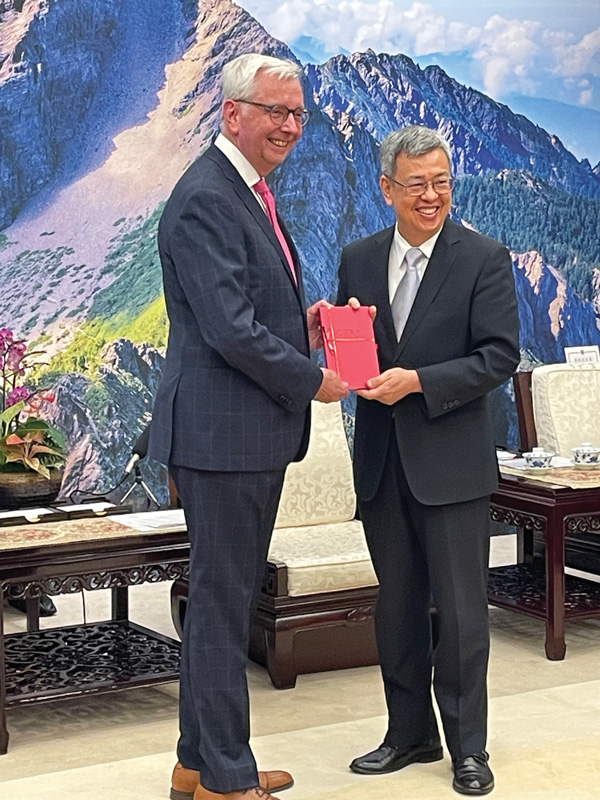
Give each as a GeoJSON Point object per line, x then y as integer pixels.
{"type": "Point", "coordinates": [538, 458]}
{"type": "Point", "coordinates": [586, 454]}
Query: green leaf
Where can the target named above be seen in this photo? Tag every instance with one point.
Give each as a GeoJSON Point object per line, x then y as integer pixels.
{"type": "Point", "coordinates": [42, 448]}
{"type": "Point", "coordinates": [36, 466]}
{"type": "Point", "coordinates": [57, 438]}
{"type": "Point", "coordinates": [9, 414]}
{"type": "Point", "coordinates": [51, 434]}
{"type": "Point", "coordinates": [33, 424]}
{"type": "Point", "coordinates": [13, 457]}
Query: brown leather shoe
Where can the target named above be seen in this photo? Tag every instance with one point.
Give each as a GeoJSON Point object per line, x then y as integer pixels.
{"type": "Point", "coordinates": [256, 793]}
{"type": "Point", "coordinates": [185, 781]}
{"type": "Point", "coordinates": [275, 780]}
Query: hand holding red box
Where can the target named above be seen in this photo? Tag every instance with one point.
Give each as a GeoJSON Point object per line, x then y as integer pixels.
{"type": "Point", "coordinates": [349, 344]}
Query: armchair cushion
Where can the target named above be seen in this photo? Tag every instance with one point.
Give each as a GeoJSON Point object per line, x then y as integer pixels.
{"type": "Point", "coordinates": [323, 558]}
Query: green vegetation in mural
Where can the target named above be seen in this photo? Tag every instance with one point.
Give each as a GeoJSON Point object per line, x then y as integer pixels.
{"type": "Point", "coordinates": [133, 258]}
{"type": "Point", "coordinates": [84, 353]}
{"type": "Point", "coordinates": [528, 214]}
{"type": "Point", "coordinates": [131, 307]}
{"type": "Point", "coordinates": [26, 268]}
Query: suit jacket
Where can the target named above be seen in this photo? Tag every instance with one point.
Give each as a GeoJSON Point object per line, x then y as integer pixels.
{"type": "Point", "coordinates": [238, 381]}
{"type": "Point", "coordinates": [462, 338]}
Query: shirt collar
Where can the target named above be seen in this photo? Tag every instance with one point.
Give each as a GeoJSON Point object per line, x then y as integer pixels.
{"type": "Point", "coordinates": [247, 172]}
{"type": "Point", "coordinates": [403, 246]}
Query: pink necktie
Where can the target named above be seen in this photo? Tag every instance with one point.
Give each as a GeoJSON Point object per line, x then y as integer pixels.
{"type": "Point", "coordinates": [262, 189]}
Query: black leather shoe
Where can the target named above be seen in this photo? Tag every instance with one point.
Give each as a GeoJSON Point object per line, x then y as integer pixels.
{"type": "Point", "coordinates": [47, 607]}
{"type": "Point", "coordinates": [472, 774]}
{"type": "Point", "coordinates": [389, 759]}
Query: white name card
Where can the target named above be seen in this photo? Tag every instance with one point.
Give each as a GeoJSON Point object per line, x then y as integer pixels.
{"type": "Point", "coordinates": [582, 355]}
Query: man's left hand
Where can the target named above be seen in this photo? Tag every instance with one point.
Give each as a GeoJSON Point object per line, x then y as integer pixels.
{"type": "Point", "coordinates": [392, 385]}
{"type": "Point", "coordinates": [315, 336]}
{"type": "Point", "coordinates": [354, 302]}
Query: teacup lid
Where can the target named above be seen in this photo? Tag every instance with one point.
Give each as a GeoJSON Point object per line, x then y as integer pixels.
{"type": "Point", "coordinates": [537, 452]}
{"type": "Point", "coordinates": [586, 447]}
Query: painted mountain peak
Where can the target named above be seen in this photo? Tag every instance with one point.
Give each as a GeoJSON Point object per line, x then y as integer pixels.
{"type": "Point", "coordinates": [104, 103]}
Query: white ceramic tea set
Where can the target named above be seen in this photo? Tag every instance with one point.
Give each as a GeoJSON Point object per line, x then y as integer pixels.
{"type": "Point", "coordinates": [538, 459]}
{"type": "Point", "coordinates": [585, 456]}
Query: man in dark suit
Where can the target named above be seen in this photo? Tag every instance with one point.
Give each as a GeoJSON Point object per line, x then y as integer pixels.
{"type": "Point", "coordinates": [232, 410]}
{"type": "Point", "coordinates": [424, 458]}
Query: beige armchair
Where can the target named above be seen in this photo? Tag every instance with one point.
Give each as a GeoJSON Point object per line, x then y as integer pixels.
{"type": "Point", "coordinates": [316, 608]}
{"type": "Point", "coordinates": [558, 408]}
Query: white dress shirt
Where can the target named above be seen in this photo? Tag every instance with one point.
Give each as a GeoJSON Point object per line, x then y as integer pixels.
{"type": "Point", "coordinates": [247, 172]}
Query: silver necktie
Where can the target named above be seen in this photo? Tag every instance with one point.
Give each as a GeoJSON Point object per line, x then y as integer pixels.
{"type": "Point", "coordinates": [407, 290]}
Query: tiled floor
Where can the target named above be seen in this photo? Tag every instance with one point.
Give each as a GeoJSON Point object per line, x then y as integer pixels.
{"type": "Point", "coordinates": [544, 724]}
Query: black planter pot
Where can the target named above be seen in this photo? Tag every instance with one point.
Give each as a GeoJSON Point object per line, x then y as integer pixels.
{"type": "Point", "coordinates": [27, 489]}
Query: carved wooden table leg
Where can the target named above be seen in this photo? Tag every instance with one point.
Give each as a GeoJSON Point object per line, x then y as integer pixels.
{"type": "Point", "coordinates": [280, 657]}
{"type": "Point", "coordinates": [3, 728]}
{"type": "Point", "coordinates": [555, 587]}
{"type": "Point", "coordinates": [32, 605]}
{"type": "Point", "coordinates": [524, 544]}
{"type": "Point", "coordinates": [179, 595]}
{"type": "Point", "coordinates": [120, 603]}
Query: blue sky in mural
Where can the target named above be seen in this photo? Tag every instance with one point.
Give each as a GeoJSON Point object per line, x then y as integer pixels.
{"type": "Point", "coordinates": [540, 58]}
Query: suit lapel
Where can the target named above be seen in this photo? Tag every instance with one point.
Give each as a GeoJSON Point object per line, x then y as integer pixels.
{"type": "Point", "coordinates": [249, 200]}
{"type": "Point", "coordinates": [436, 273]}
{"type": "Point", "coordinates": [378, 278]}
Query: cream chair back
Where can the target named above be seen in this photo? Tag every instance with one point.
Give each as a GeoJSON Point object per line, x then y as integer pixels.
{"type": "Point", "coordinates": [320, 489]}
{"type": "Point", "coordinates": [566, 406]}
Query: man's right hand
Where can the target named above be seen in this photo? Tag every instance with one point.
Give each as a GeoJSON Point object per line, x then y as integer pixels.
{"type": "Point", "coordinates": [332, 388]}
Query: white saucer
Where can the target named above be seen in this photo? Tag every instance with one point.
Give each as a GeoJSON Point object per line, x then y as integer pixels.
{"type": "Point", "coordinates": [537, 470]}
{"type": "Point", "coordinates": [585, 466]}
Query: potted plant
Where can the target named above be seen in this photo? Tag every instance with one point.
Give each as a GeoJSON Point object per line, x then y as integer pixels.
{"type": "Point", "coordinates": [32, 452]}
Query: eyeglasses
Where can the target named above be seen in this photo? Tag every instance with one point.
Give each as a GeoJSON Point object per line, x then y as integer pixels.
{"type": "Point", "coordinates": [440, 186]}
{"type": "Point", "coordinates": [279, 114]}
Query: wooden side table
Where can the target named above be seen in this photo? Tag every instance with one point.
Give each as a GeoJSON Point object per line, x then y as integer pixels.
{"type": "Point", "coordinates": [66, 557]}
{"type": "Point", "coordinates": [557, 513]}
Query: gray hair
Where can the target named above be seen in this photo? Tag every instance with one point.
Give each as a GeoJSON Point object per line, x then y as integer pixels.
{"type": "Point", "coordinates": [415, 140]}
{"type": "Point", "coordinates": [239, 75]}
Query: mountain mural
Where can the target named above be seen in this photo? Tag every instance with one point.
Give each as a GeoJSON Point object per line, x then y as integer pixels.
{"type": "Point", "coordinates": [103, 105]}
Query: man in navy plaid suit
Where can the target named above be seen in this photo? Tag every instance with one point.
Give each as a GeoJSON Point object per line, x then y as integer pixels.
{"type": "Point", "coordinates": [233, 407]}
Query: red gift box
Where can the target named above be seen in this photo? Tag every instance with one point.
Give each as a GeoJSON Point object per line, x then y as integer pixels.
{"type": "Point", "coordinates": [349, 343]}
